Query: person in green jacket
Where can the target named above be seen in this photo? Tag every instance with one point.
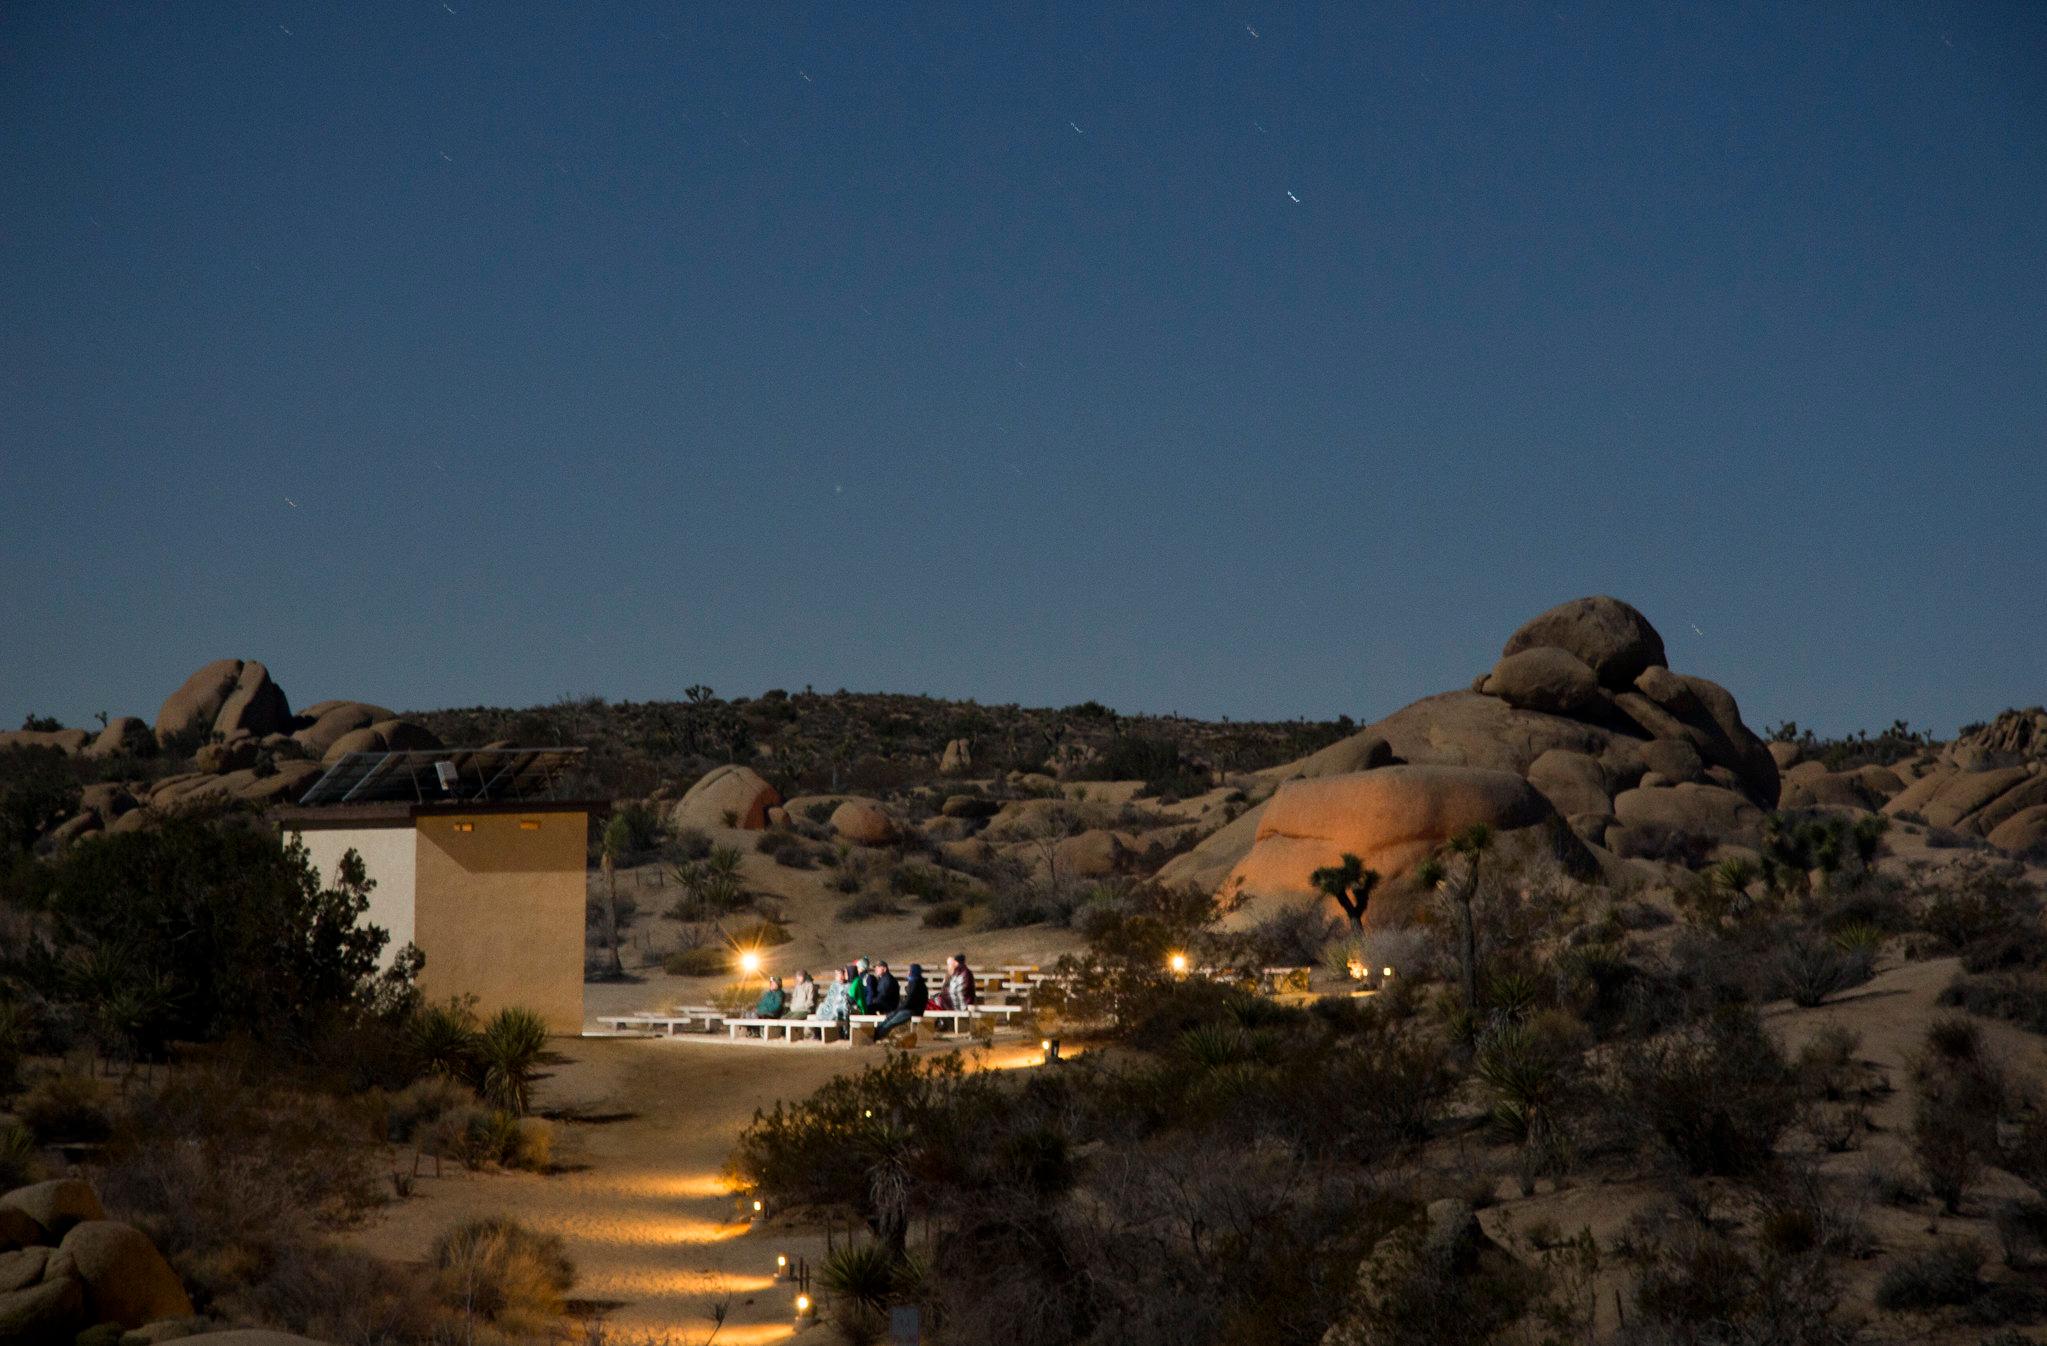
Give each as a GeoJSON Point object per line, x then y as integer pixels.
{"type": "Point", "coordinates": [772, 1002]}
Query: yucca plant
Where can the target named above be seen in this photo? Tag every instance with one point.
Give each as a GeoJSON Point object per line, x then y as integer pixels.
{"type": "Point", "coordinates": [1527, 1067]}
{"type": "Point", "coordinates": [1216, 1045]}
{"type": "Point", "coordinates": [508, 1054]}
{"type": "Point", "coordinates": [444, 1042]}
{"type": "Point", "coordinates": [863, 1275]}
{"type": "Point", "coordinates": [19, 1165]}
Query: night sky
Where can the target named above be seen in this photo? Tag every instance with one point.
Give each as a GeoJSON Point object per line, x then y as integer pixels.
{"type": "Point", "coordinates": [1242, 360]}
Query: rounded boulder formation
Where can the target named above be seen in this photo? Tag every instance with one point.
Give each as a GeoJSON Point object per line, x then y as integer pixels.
{"type": "Point", "coordinates": [383, 736]}
{"type": "Point", "coordinates": [1545, 678]}
{"type": "Point", "coordinates": [126, 1279]}
{"type": "Point", "coordinates": [1612, 638]}
{"type": "Point", "coordinates": [864, 823]}
{"type": "Point", "coordinates": [226, 696]}
{"type": "Point", "coordinates": [1390, 818]}
{"type": "Point", "coordinates": [50, 1312]}
{"type": "Point", "coordinates": [726, 796]}
{"type": "Point", "coordinates": [329, 720]}
{"type": "Point", "coordinates": [123, 734]}
{"type": "Point", "coordinates": [56, 1205]}
{"type": "Point", "coordinates": [2025, 830]}
{"type": "Point", "coordinates": [957, 759]}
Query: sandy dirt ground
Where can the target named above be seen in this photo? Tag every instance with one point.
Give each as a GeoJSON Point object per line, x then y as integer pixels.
{"type": "Point", "coordinates": [643, 1204]}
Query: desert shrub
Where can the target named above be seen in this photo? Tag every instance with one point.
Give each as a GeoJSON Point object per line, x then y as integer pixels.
{"type": "Point", "coordinates": [866, 906]}
{"type": "Point", "coordinates": [225, 1166]}
{"type": "Point", "coordinates": [1945, 1272]}
{"type": "Point", "coordinates": [786, 848]}
{"type": "Point", "coordinates": [202, 928]}
{"type": "Point", "coordinates": [498, 1270]}
{"type": "Point", "coordinates": [489, 1137]}
{"type": "Point", "coordinates": [944, 916]}
{"type": "Point", "coordinates": [1716, 1094]}
{"type": "Point", "coordinates": [19, 1165]}
{"type": "Point", "coordinates": [1419, 1288]}
{"type": "Point", "coordinates": [336, 1293]}
{"type": "Point", "coordinates": [441, 1039]}
{"type": "Point", "coordinates": [14, 1038]}
{"type": "Point", "coordinates": [1810, 969]}
{"type": "Point", "coordinates": [509, 1052]}
{"type": "Point", "coordinates": [924, 882]}
{"type": "Point", "coordinates": [1529, 1069]}
{"type": "Point", "coordinates": [1157, 762]}
{"type": "Point", "coordinates": [68, 1107]}
{"type": "Point", "coordinates": [689, 843]}
{"type": "Point", "coordinates": [2021, 1226]}
{"type": "Point", "coordinates": [2019, 997]}
{"type": "Point", "coordinates": [705, 960]}
{"type": "Point", "coordinates": [412, 1114]}
{"type": "Point", "coordinates": [1826, 1063]}
{"type": "Point", "coordinates": [1697, 1285]}
{"type": "Point", "coordinates": [760, 935]}
{"type": "Point", "coordinates": [1293, 936]}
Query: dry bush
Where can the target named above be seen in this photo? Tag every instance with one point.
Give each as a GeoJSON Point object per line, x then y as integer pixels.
{"type": "Point", "coordinates": [498, 1271]}
{"type": "Point", "coordinates": [68, 1107]}
{"type": "Point", "coordinates": [1716, 1094]}
{"type": "Point", "coordinates": [223, 1172]}
{"type": "Point", "coordinates": [1943, 1273]}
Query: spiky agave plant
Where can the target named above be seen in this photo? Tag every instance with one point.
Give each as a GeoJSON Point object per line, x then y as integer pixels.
{"type": "Point", "coordinates": [508, 1054]}
{"type": "Point", "coordinates": [443, 1041]}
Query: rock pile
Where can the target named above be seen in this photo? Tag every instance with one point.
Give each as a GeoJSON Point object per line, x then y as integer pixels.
{"type": "Point", "coordinates": [65, 1267]}
{"type": "Point", "coordinates": [1580, 719]}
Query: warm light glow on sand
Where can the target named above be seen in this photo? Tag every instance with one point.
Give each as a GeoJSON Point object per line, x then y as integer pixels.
{"type": "Point", "coordinates": [670, 1186]}
{"type": "Point", "coordinates": [1011, 1056]}
{"type": "Point", "coordinates": [655, 1280]}
{"type": "Point", "coordinates": [733, 1334]}
{"type": "Point", "coordinates": [653, 1229]}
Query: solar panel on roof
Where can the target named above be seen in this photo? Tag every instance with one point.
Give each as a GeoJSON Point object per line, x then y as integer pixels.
{"type": "Point", "coordinates": [444, 776]}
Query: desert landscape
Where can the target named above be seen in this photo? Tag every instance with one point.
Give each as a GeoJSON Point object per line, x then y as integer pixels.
{"type": "Point", "coordinates": [938, 674]}
{"type": "Point", "coordinates": [1622, 1015]}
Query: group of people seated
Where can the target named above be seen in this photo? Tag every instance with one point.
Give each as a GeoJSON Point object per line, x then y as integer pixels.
{"type": "Point", "coordinates": [868, 988]}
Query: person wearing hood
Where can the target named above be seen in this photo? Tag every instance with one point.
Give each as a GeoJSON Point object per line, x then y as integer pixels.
{"type": "Point", "coordinates": [832, 1003]}
{"type": "Point", "coordinates": [915, 997]}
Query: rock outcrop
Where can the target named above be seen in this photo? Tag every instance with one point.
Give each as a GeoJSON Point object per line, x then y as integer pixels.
{"type": "Point", "coordinates": [864, 823]}
{"type": "Point", "coordinates": [69, 1269]}
{"type": "Point", "coordinates": [726, 796]}
{"type": "Point", "coordinates": [1612, 638]}
{"type": "Point", "coordinates": [227, 697]}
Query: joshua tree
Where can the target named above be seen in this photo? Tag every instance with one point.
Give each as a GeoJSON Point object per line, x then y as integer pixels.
{"type": "Point", "coordinates": [1350, 886]}
{"type": "Point", "coordinates": [1471, 845]}
{"type": "Point", "coordinates": [617, 840]}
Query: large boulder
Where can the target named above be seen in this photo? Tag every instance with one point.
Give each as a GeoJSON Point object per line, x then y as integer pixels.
{"type": "Point", "coordinates": [726, 796]}
{"type": "Point", "coordinates": [864, 823]}
{"type": "Point", "coordinates": [283, 786]}
{"type": "Point", "coordinates": [2020, 797]}
{"type": "Point", "coordinates": [22, 1268]}
{"type": "Point", "coordinates": [329, 720]}
{"type": "Point", "coordinates": [1390, 819]}
{"type": "Point", "coordinates": [52, 1311]}
{"type": "Point", "coordinates": [126, 1279]}
{"type": "Point", "coordinates": [224, 697]}
{"type": "Point", "coordinates": [1210, 862]}
{"type": "Point", "coordinates": [1544, 678]}
{"type": "Point", "coordinates": [957, 759]}
{"type": "Point", "coordinates": [383, 736]}
{"type": "Point", "coordinates": [1572, 782]}
{"type": "Point", "coordinates": [970, 806]}
{"type": "Point", "coordinates": [1615, 640]}
{"type": "Point", "coordinates": [56, 1205]}
{"type": "Point", "coordinates": [19, 1229]}
{"type": "Point", "coordinates": [1358, 752]}
{"type": "Point", "coordinates": [1708, 812]}
{"type": "Point", "coordinates": [2024, 831]}
{"type": "Point", "coordinates": [1093, 854]}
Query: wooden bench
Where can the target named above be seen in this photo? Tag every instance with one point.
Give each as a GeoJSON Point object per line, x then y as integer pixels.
{"type": "Point", "coordinates": [792, 1030]}
{"type": "Point", "coordinates": [1006, 1013]}
{"type": "Point", "coordinates": [671, 1025]}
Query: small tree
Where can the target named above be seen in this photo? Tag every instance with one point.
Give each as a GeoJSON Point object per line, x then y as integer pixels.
{"type": "Point", "coordinates": [616, 841]}
{"type": "Point", "coordinates": [1470, 846]}
{"type": "Point", "coordinates": [1349, 885]}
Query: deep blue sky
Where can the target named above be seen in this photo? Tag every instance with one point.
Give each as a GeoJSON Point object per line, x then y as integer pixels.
{"type": "Point", "coordinates": [611, 348]}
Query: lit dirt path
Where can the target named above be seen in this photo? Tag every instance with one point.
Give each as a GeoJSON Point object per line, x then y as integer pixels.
{"type": "Point", "coordinates": [645, 1209]}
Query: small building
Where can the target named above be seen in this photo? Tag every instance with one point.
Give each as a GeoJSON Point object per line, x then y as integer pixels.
{"type": "Point", "coordinates": [475, 859]}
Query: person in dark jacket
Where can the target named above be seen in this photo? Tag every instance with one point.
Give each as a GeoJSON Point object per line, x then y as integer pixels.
{"type": "Point", "coordinates": [887, 996]}
{"type": "Point", "coordinates": [915, 997]}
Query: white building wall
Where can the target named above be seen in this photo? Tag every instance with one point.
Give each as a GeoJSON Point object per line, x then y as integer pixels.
{"type": "Point", "coordinates": [391, 857]}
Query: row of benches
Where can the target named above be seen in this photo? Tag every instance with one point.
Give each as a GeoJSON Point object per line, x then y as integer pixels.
{"type": "Point", "coordinates": [708, 1020]}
